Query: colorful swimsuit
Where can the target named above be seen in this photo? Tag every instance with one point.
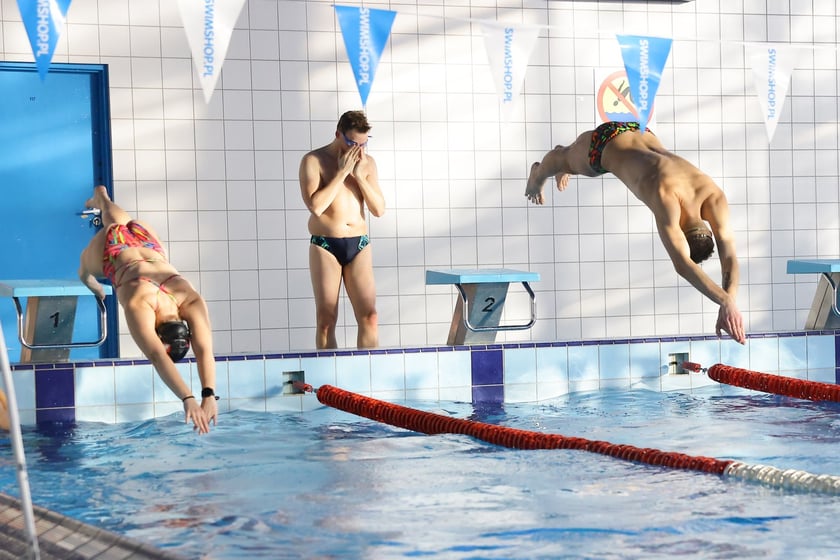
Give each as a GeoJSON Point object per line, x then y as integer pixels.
{"type": "Point", "coordinates": [120, 237]}
{"type": "Point", "coordinates": [344, 249]}
{"type": "Point", "coordinates": [161, 287]}
{"type": "Point", "coordinates": [601, 136]}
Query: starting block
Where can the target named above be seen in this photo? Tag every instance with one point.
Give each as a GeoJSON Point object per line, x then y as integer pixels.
{"type": "Point", "coordinates": [825, 312]}
{"type": "Point", "coordinates": [483, 293]}
{"type": "Point", "coordinates": [45, 329]}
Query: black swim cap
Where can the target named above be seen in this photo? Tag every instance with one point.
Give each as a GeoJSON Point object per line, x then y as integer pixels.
{"type": "Point", "coordinates": [175, 336]}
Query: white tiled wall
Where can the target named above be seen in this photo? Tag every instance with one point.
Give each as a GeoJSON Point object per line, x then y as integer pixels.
{"type": "Point", "coordinates": [220, 180]}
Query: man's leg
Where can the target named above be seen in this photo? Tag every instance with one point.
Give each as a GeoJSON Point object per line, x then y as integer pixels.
{"type": "Point", "coordinates": [326, 283]}
{"type": "Point", "coordinates": [361, 289]}
{"type": "Point", "coordinates": [560, 162]}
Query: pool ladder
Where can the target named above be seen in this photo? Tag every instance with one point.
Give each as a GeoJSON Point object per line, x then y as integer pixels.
{"type": "Point", "coordinates": [20, 457]}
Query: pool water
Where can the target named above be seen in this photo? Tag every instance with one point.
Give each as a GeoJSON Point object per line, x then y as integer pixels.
{"type": "Point", "coordinates": [326, 484]}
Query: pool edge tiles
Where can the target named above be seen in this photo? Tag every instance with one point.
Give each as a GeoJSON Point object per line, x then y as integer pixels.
{"type": "Point", "coordinates": [61, 537]}
{"type": "Point", "coordinates": [129, 390]}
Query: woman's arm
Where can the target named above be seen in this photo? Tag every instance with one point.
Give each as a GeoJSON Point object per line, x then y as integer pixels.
{"type": "Point", "coordinates": [140, 318]}
{"type": "Point", "coordinates": [87, 271]}
{"type": "Point", "coordinates": [194, 311]}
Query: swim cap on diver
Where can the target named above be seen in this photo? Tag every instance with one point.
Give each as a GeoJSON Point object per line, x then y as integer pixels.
{"type": "Point", "coordinates": [175, 336]}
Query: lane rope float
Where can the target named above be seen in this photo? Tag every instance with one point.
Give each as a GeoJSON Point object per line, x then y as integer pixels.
{"type": "Point", "coordinates": [431, 423]}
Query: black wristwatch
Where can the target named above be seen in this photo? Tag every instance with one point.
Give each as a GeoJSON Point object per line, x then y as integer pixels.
{"type": "Point", "coordinates": [208, 392]}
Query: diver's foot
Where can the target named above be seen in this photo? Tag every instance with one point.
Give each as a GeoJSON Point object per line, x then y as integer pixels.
{"type": "Point", "coordinates": [100, 194]}
{"type": "Point", "coordinates": [562, 181]}
{"type": "Point", "coordinates": [534, 189]}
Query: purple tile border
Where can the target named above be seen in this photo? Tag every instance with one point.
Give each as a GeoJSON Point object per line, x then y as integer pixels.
{"type": "Point", "coordinates": [55, 394]}
{"type": "Point", "coordinates": [487, 375]}
{"type": "Point", "coordinates": [488, 394]}
{"type": "Point", "coordinates": [837, 359]}
{"type": "Point", "coordinates": [54, 388]}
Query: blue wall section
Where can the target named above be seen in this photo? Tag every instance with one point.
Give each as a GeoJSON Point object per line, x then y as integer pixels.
{"type": "Point", "coordinates": [54, 147]}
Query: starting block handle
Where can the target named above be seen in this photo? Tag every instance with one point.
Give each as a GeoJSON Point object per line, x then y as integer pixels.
{"type": "Point", "coordinates": [103, 329]}
{"type": "Point", "coordinates": [819, 315]}
{"type": "Point", "coordinates": [58, 292]}
{"type": "Point", "coordinates": [515, 327]}
{"type": "Point", "coordinates": [834, 307]}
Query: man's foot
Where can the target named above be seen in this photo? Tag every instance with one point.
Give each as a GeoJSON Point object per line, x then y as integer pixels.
{"type": "Point", "coordinates": [562, 181]}
{"type": "Point", "coordinates": [534, 189]}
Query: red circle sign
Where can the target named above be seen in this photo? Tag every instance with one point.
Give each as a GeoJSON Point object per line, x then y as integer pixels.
{"type": "Point", "coordinates": [614, 101]}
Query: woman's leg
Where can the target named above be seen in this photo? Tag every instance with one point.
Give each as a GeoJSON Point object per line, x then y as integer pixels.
{"type": "Point", "coordinates": [111, 212]}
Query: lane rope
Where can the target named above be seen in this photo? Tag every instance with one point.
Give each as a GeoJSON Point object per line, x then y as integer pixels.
{"type": "Point", "coordinates": [431, 423]}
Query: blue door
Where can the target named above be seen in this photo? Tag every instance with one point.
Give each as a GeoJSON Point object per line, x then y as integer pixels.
{"type": "Point", "coordinates": [55, 145]}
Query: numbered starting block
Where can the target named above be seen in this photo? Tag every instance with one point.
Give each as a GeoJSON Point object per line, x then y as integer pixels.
{"type": "Point", "coordinates": [45, 327]}
{"type": "Point", "coordinates": [479, 309]}
{"type": "Point", "coordinates": [825, 309]}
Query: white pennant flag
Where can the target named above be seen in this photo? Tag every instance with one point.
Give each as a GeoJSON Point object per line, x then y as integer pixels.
{"type": "Point", "coordinates": [772, 66]}
{"type": "Point", "coordinates": [509, 48]}
{"type": "Point", "coordinates": [209, 25]}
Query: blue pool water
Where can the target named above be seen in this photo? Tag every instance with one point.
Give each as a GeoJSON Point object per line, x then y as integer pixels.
{"type": "Point", "coordinates": [326, 484]}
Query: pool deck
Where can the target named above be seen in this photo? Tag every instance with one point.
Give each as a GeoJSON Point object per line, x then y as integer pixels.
{"type": "Point", "coordinates": [63, 538]}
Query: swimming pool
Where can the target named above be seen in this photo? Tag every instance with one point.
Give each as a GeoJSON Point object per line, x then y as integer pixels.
{"type": "Point", "coordinates": [329, 484]}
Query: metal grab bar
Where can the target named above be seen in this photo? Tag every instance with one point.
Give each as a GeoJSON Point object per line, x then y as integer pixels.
{"type": "Point", "coordinates": [103, 330]}
{"type": "Point", "coordinates": [519, 327]}
{"type": "Point", "coordinates": [20, 456]}
{"type": "Point", "coordinates": [833, 284]}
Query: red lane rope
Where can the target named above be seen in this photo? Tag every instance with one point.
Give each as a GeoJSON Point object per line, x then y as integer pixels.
{"type": "Point", "coordinates": [431, 423]}
{"type": "Point", "coordinates": [776, 384]}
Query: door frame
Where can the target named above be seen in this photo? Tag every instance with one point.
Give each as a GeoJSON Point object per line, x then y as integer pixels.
{"type": "Point", "coordinates": [100, 111]}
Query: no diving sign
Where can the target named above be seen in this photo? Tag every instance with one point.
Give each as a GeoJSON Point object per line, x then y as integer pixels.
{"type": "Point", "coordinates": [613, 101]}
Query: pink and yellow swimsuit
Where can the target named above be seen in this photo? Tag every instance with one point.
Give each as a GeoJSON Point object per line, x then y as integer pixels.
{"type": "Point", "coordinates": [120, 237]}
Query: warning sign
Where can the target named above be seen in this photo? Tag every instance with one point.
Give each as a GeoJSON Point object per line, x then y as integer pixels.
{"type": "Point", "coordinates": [613, 101]}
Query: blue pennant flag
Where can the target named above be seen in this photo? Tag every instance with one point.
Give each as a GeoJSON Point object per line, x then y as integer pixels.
{"type": "Point", "coordinates": [44, 22]}
{"type": "Point", "coordinates": [365, 33]}
{"type": "Point", "coordinates": [644, 59]}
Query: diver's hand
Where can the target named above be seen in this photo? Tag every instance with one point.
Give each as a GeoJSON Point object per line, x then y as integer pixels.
{"type": "Point", "coordinates": [730, 321]}
{"type": "Point", "coordinates": [196, 415]}
{"type": "Point", "coordinates": [211, 408]}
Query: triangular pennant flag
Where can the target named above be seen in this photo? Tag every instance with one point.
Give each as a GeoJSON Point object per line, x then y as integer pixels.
{"type": "Point", "coordinates": [644, 59]}
{"type": "Point", "coordinates": [44, 22]}
{"type": "Point", "coordinates": [209, 26]}
{"type": "Point", "coordinates": [365, 33]}
{"type": "Point", "coordinates": [509, 48]}
{"type": "Point", "coordinates": [772, 66]}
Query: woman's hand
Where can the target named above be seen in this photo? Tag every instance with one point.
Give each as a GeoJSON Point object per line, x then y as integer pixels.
{"type": "Point", "coordinates": [197, 415]}
{"type": "Point", "coordinates": [210, 408]}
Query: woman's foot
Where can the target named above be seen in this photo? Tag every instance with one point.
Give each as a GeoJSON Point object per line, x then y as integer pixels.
{"type": "Point", "coordinates": [100, 196]}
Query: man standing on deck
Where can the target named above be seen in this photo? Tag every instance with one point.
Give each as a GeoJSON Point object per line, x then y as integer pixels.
{"type": "Point", "coordinates": [681, 197]}
{"type": "Point", "coordinates": [337, 181]}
